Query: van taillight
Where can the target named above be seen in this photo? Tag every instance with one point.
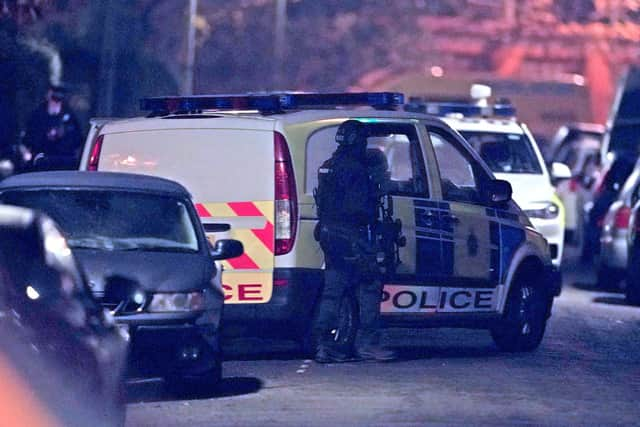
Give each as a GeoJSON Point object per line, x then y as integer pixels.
{"type": "Point", "coordinates": [94, 158]}
{"type": "Point", "coordinates": [286, 197]}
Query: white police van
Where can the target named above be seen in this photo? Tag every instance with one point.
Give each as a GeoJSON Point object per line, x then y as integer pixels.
{"type": "Point", "coordinates": [510, 151]}
{"type": "Point", "coordinates": [471, 259]}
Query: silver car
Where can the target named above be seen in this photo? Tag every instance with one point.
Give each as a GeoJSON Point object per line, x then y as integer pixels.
{"type": "Point", "coordinates": [612, 262]}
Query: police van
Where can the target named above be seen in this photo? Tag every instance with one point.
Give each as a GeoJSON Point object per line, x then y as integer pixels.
{"type": "Point", "coordinates": [508, 148]}
{"type": "Point", "coordinates": [471, 258]}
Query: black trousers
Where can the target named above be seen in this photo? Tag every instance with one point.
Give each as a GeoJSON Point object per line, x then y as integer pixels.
{"type": "Point", "coordinates": [342, 276]}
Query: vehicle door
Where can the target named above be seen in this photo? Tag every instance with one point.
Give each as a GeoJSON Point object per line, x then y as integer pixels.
{"type": "Point", "coordinates": [414, 286]}
{"type": "Point", "coordinates": [398, 146]}
{"type": "Point", "coordinates": [470, 245]}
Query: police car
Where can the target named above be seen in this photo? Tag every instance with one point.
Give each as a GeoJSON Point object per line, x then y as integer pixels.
{"type": "Point", "coordinates": [510, 151]}
{"type": "Point", "coordinates": [471, 258]}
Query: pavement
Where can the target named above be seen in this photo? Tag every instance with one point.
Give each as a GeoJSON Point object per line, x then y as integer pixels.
{"type": "Point", "coordinates": [586, 372]}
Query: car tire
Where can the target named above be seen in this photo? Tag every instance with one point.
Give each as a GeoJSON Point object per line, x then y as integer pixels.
{"type": "Point", "coordinates": [525, 318]}
{"type": "Point", "coordinates": [607, 277]}
{"type": "Point", "coordinates": [204, 383]}
{"type": "Point", "coordinates": [345, 332]}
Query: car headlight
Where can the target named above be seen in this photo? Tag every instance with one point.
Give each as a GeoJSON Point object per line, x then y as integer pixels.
{"type": "Point", "coordinates": [544, 210]}
{"type": "Point", "coordinates": [167, 302]}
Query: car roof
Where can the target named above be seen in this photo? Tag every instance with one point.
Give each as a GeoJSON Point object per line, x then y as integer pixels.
{"type": "Point", "coordinates": [480, 124]}
{"type": "Point", "coordinates": [251, 120]}
{"type": "Point", "coordinates": [97, 180]}
{"type": "Point", "coordinates": [594, 128]}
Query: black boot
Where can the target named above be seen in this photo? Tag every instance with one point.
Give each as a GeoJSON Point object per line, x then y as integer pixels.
{"type": "Point", "coordinates": [376, 353]}
{"type": "Point", "coordinates": [330, 354]}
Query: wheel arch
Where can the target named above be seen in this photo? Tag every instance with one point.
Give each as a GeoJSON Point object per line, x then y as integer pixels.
{"type": "Point", "coordinates": [527, 260]}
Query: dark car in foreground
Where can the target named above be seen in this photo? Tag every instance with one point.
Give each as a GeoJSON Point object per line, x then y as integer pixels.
{"type": "Point", "coordinates": [52, 330]}
{"type": "Point", "coordinates": [141, 231]}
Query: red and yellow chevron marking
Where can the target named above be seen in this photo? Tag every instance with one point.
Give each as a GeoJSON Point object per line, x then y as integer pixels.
{"type": "Point", "coordinates": [258, 243]}
{"type": "Point", "coordinates": [249, 277]}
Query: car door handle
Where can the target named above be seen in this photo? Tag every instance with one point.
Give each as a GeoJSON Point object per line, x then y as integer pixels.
{"type": "Point", "coordinates": [212, 227]}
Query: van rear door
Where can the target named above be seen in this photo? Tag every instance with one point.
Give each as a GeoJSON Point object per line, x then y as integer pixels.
{"type": "Point", "coordinates": [230, 174]}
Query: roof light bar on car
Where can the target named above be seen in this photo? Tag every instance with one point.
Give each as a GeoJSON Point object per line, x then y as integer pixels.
{"type": "Point", "coordinates": [272, 102]}
{"type": "Point", "coordinates": [467, 110]}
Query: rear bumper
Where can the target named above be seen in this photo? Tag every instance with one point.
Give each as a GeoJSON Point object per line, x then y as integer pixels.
{"type": "Point", "coordinates": [288, 313]}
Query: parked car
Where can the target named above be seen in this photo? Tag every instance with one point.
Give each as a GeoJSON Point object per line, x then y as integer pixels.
{"type": "Point", "coordinates": [619, 152]}
{"type": "Point", "coordinates": [140, 231]}
{"type": "Point", "coordinates": [566, 138]}
{"type": "Point", "coordinates": [51, 325]}
{"type": "Point", "coordinates": [471, 257]}
{"type": "Point", "coordinates": [607, 188]}
{"type": "Point", "coordinates": [612, 260]}
{"type": "Point", "coordinates": [623, 125]}
{"type": "Point", "coordinates": [578, 146]}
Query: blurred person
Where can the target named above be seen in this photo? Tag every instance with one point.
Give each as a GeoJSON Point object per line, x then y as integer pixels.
{"type": "Point", "coordinates": [347, 211]}
{"type": "Point", "coordinates": [53, 133]}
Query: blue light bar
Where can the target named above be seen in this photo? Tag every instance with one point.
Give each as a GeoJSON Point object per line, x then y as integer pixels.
{"type": "Point", "coordinates": [467, 110]}
{"type": "Point", "coordinates": [272, 103]}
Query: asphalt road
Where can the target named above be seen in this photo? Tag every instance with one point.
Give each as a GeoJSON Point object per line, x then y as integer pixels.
{"type": "Point", "coordinates": [586, 372]}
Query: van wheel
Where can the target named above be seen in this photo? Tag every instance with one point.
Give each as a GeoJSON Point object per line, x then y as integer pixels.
{"type": "Point", "coordinates": [344, 333]}
{"type": "Point", "coordinates": [525, 318]}
{"type": "Point", "coordinates": [203, 384]}
{"type": "Point", "coordinates": [608, 278]}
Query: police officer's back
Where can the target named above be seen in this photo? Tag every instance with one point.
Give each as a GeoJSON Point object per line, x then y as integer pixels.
{"type": "Point", "coordinates": [343, 181]}
{"type": "Point", "coordinates": [347, 212]}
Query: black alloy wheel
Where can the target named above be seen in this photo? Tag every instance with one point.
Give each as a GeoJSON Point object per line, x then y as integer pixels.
{"type": "Point", "coordinates": [525, 318]}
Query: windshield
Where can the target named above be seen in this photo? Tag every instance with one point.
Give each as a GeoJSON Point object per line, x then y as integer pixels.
{"type": "Point", "coordinates": [114, 220]}
{"type": "Point", "coordinates": [504, 152]}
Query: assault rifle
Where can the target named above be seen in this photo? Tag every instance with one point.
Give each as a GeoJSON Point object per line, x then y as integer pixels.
{"type": "Point", "coordinates": [386, 233]}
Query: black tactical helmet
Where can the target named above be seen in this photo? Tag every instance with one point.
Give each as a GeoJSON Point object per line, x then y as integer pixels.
{"type": "Point", "coordinates": [351, 132]}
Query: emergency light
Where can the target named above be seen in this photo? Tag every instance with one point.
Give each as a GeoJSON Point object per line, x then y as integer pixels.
{"type": "Point", "coordinates": [269, 102]}
{"type": "Point", "coordinates": [467, 110]}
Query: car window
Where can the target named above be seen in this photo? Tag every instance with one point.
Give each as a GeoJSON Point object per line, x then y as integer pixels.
{"type": "Point", "coordinates": [320, 145]}
{"type": "Point", "coordinates": [504, 152]}
{"type": "Point", "coordinates": [114, 220]}
{"type": "Point", "coordinates": [393, 151]}
{"type": "Point", "coordinates": [458, 176]}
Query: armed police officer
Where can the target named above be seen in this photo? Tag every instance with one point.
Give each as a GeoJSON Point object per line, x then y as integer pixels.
{"type": "Point", "coordinates": [347, 211]}
{"type": "Point", "coordinates": [53, 134]}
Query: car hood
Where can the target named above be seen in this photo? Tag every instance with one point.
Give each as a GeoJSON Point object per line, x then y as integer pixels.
{"type": "Point", "coordinates": [528, 189]}
{"type": "Point", "coordinates": [153, 271]}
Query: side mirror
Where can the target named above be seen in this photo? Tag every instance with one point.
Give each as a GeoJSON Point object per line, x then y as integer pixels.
{"type": "Point", "coordinates": [226, 248]}
{"type": "Point", "coordinates": [498, 191]}
{"type": "Point", "coordinates": [560, 171]}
